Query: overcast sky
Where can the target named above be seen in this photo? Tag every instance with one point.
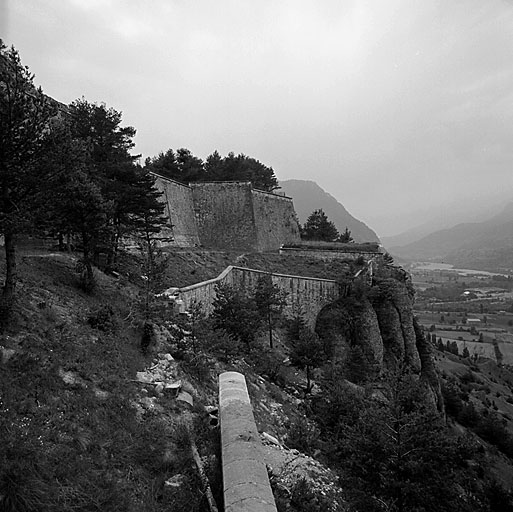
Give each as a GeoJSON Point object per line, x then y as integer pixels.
{"type": "Point", "coordinates": [401, 109]}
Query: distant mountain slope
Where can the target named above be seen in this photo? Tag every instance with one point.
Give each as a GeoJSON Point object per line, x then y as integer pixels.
{"type": "Point", "coordinates": [487, 244]}
{"type": "Point", "coordinates": [308, 196]}
{"type": "Point", "coordinates": [450, 216]}
{"type": "Point", "coordinates": [409, 236]}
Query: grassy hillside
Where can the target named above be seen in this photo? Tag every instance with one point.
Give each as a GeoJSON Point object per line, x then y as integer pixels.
{"type": "Point", "coordinates": [78, 432]}
{"type": "Point", "coordinates": [90, 422]}
{"type": "Point", "coordinates": [81, 431]}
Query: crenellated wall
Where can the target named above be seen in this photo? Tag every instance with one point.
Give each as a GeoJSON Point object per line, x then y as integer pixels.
{"type": "Point", "coordinates": [312, 294]}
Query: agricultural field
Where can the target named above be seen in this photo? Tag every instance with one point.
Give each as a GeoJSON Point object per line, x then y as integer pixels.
{"type": "Point", "coordinates": [469, 311]}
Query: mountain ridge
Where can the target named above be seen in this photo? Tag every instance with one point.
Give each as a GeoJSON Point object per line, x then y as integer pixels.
{"type": "Point", "coordinates": [469, 243]}
{"type": "Point", "coordinates": [309, 196]}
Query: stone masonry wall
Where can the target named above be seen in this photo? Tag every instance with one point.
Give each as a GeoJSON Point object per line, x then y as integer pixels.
{"type": "Point", "coordinates": [275, 220]}
{"type": "Point", "coordinates": [311, 294]}
{"type": "Point", "coordinates": [330, 255]}
{"type": "Point", "coordinates": [181, 229]}
{"type": "Point", "coordinates": [224, 215]}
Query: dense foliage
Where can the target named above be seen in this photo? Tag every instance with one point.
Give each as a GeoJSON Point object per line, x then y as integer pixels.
{"type": "Point", "coordinates": [68, 172]}
{"type": "Point", "coordinates": [25, 114]}
{"type": "Point", "coordinates": [183, 166]}
{"type": "Point", "coordinates": [393, 451]}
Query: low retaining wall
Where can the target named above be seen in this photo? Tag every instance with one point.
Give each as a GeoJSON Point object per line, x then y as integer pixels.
{"type": "Point", "coordinates": [245, 481]}
{"type": "Point", "coordinates": [328, 255]}
{"type": "Point", "coordinates": [312, 294]}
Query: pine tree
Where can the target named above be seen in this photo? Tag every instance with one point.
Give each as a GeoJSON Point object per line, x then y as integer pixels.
{"type": "Point", "coordinates": [307, 353]}
{"type": "Point", "coordinates": [296, 323]}
{"type": "Point", "coordinates": [270, 301]}
{"type": "Point", "coordinates": [318, 227]}
{"type": "Point", "coordinates": [125, 187]}
{"type": "Point", "coordinates": [345, 237]}
{"type": "Point", "coordinates": [25, 114]}
{"type": "Point", "coordinates": [236, 313]}
{"type": "Point", "coordinates": [164, 164]}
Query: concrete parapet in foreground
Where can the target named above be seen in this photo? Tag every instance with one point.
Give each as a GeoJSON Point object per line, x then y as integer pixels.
{"type": "Point", "coordinates": [245, 481]}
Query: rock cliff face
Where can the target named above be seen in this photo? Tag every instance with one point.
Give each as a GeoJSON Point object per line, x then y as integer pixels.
{"type": "Point", "coordinates": [376, 321]}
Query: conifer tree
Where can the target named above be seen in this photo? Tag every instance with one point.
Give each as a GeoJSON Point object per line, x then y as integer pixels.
{"type": "Point", "coordinates": [25, 114]}
{"type": "Point", "coordinates": [318, 227]}
{"type": "Point", "coordinates": [236, 313]}
{"type": "Point", "coordinates": [270, 301]}
{"type": "Point", "coordinates": [345, 237]}
{"type": "Point", "coordinates": [125, 187]}
{"type": "Point", "coordinates": [307, 353]}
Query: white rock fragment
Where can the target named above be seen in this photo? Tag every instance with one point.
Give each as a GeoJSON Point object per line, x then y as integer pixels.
{"type": "Point", "coordinates": [143, 377]}
{"type": "Point", "coordinates": [173, 387]}
{"type": "Point", "coordinates": [183, 396]}
{"type": "Point", "coordinates": [175, 481]}
{"type": "Point", "coordinates": [101, 394]}
{"type": "Point", "coordinates": [271, 439]}
{"type": "Point", "coordinates": [6, 354]}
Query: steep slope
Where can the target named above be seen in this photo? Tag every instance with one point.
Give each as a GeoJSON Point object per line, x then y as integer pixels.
{"type": "Point", "coordinates": [487, 244]}
{"type": "Point", "coordinates": [308, 196]}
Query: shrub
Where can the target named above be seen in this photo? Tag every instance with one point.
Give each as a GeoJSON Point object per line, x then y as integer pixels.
{"type": "Point", "coordinates": [222, 345]}
{"type": "Point", "coordinates": [102, 319]}
{"type": "Point", "coordinates": [305, 499]}
{"type": "Point", "coordinates": [303, 435]}
{"type": "Point", "coordinates": [267, 363]}
{"type": "Point", "coordinates": [198, 366]}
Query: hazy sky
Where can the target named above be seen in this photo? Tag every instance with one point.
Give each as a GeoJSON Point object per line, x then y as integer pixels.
{"type": "Point", "coordinates": [401, 109]}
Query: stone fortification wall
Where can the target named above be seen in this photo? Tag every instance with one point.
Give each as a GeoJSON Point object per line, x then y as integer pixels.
{"type": "Point", "coordinates": [330, 255]}
{"type": "Point", "coordinates": [310, 293]}
{"type": "Point", "coordinates": [275, 220]}
{"type": "Point", "coordinates": [224, 214]}
{"type": "Point", "coordinates": [181, 229]}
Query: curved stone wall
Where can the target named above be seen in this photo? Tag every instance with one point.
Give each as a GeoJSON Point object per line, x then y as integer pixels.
{"type": "Point", "coordinates": [311, 293]}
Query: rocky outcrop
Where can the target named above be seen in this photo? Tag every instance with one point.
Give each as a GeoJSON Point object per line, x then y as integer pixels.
{"type": "Point", "coordinates": [349, 324]}
{"type": "Point", "coordinates": [378, 320]}
{"type": "Point", "coordinates": [394, 308]}
{"type": "Point", "coordinates": [428, 369]}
